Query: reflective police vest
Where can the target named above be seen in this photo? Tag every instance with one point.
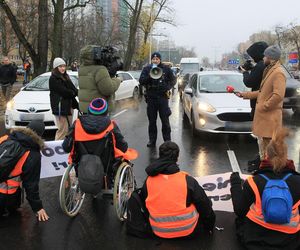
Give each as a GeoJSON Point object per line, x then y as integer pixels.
{"type": "Point", "coordinates": [82, 136]}
{"type": "Point", "coordinates": [14, 182]}
{"type": "Point", "coordinates": [255, 214]}
{"type": "Point", "coordinates": [166, 201]}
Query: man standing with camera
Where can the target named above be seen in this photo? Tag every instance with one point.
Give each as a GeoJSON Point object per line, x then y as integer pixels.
{"type": "Point", "coordinates": [97, 75]}
{"type": "Point", "coordinates": [158, 80]}
{"type": "Point", "coordinates": [252, 77]}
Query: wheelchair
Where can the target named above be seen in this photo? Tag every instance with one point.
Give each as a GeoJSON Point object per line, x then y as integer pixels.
{"type": "Point", "coordinates": [120, 184]}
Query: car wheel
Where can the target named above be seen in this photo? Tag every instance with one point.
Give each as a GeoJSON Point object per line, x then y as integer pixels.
{"type": "Point", "coordinates": [135, 94]}
{"type": "Point", "coordinates": [194, 130]}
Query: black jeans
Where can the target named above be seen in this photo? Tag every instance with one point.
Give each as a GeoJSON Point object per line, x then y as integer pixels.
{"type": "Point", "coordinates": [158, 105]}
{"type": "Point", "coordinates": [11, 202]}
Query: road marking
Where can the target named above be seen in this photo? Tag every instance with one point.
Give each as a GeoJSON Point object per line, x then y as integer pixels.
{"type": "Point", "coordinates": [233, 161]}
{"type": "Point", "coordinates": [121, 112]}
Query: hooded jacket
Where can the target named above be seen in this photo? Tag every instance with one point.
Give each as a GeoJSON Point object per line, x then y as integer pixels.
{"type": "Point", "coordinates": [32, 167]}
{"type": "Point", "coordinates": [8, 74]}
{"type": "Point", "coordinates": [253, 235]}
{"type": "Point", "coordinates": [62, 94]}
{"type": "Point", "coordinates": [253, 78]}
{"type": "Point", "coordinates": [157, 88]}
{"type": "Point", "coordinates": [94, 81]}
{"type": "Point", "coordinates": [195, 193]}
{"type": "Point", "coordinates": [93, 124]}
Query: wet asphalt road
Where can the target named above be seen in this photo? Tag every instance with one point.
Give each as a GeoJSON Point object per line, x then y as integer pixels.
{"type": "Point", "coordinates": [97, 227]}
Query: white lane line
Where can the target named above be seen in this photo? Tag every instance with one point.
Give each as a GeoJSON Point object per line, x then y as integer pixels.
{"type": "Point", "coordinates": [233, 161]}
{"type": "Point", "coordinates": [121, 112]}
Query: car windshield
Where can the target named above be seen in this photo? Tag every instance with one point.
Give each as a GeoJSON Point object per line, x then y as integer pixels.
{"type": "Point", "coordinates": [135, 74]}
{"type": "Point", "coordinates": [218, 83]}
{"type": "Point", "coordinates": [41, 83]}
{"type": "Point", "coordinates": [189, 67]}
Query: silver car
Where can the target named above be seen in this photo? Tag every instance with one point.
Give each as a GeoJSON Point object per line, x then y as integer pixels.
{"type": "Point", "coordinates": [209, 107]}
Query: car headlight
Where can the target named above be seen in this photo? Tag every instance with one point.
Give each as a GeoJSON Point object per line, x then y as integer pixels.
{"type": "Point", "coordinates": [10, 105]}
{"type": "Point", "coordinates": [298, 91]}
{"type": "Point", "coordinates": [203, 106]}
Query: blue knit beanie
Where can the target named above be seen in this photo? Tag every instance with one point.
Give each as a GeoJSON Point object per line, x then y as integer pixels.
{"type": "Point", "coordinates": [156, 54]}
{"type": "Point", "coordinates": [98, 106]}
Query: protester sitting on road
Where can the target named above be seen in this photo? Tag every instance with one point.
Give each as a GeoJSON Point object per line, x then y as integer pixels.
{"type": "Point", "coordinates": [26, 172]}
{"type": "Point", "coordinates": [262, 224]}
{"type": "Point", "coordinates": [177, 204]}
{"type": "Point", "coordinates": [89, 133]}
{"type": "Point", "coordinates": [62, 97]}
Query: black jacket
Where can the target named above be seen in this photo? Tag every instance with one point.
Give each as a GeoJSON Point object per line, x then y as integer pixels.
{"type": "Point", "coordinates": [253, 235]}
{"type": "Point", "coordinates": [253, 78]}
{"type": "Point", "coordinates": [8, 74]}
{"type": "Point", "coordinates": [94, 124]}
{"type": "Point", "coordinates": [195, 193]}
{"type": "Point", "coordinates": [32, 167]}
{"type": "Point", "coordinates": [157, 88]}
{"type": "Point", "coordinates": [62, 94]}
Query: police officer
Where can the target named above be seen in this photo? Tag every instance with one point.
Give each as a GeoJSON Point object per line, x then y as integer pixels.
{"type": "Point", "coordinates": [157, 97]}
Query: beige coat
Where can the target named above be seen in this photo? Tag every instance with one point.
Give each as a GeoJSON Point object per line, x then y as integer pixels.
{"type": "Point", "coordinates": [268, 111]}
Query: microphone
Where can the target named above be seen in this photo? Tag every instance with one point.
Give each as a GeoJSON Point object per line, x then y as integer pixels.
{"type": "Point", "coordinates": [230, 89]}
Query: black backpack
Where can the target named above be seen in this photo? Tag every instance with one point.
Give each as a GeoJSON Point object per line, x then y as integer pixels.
{"type": "Point", "coordinates": [10, 153]}
{"type": "Point", "coordinates": [90, 172]}
{"type": "Point", "coordinates": [137, 223]}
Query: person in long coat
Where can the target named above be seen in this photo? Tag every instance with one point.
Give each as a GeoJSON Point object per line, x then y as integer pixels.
{"type": "Point", "coordinates": [268, 112]}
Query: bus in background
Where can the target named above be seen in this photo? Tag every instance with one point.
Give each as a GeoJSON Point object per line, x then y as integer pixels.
{"type": "Point", "coordinates": [188, 65]}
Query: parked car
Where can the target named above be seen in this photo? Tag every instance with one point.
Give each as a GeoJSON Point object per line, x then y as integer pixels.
{"type": "Point", "coordinates": [20, 70]}
{"type": "Point", "coordinates": [136, 74]}
{"type": "Point", "coordinates": [292, 93]}
{"type": "Point", "coordinates": [33, 101]}
{"type": "Point", "coordinates": [209, 107]}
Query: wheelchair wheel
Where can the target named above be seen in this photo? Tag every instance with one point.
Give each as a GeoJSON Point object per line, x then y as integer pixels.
{"type": "Point", "coordinates": [124, 185]}
{"type": "Point", "coordinates": [70, 195]}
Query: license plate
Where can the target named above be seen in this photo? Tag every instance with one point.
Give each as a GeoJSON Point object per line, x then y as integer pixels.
{"type": "Point", "coordinates": [30, 117]}
{"type": "Point", "coordinates": [238, 126]}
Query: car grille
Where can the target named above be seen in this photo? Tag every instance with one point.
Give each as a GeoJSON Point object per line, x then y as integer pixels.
{"type": "Point", "coordinates": [47, 124]}
{"type": "Point", "coordinates": [235, 117]}
{"type": "Point", "coordinates": [38, 111]}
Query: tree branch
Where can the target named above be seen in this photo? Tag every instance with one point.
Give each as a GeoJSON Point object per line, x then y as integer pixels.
{"type": "Point", "coordinates": [128, 5]}
{"type": "Point", "coordinates": [77, 4]}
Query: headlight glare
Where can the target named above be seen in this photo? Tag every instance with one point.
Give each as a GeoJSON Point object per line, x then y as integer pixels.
{"type": "Point", "coordinates": [10, 105]}
{"type": "Point", "coordinates": [203, 106]}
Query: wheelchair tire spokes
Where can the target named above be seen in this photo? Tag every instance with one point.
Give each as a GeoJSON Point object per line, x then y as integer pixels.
{"type": "Point", "coordinates": [70, 195]}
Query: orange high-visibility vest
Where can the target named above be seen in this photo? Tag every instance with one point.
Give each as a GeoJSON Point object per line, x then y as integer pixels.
{"type": "Point", "coordinates": [256, 215]}
{"type": "Point", "coordinates": [81, 135]}
{"type": "Point", "coordinates": [13, 183]}
{"type": "Point", "coordinates": [166, 201]}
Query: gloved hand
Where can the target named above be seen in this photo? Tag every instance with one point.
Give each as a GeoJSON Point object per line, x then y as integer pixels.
{"type": "Point", "coordinates": [235, 178]}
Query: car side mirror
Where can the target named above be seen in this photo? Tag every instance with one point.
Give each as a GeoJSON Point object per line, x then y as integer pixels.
{"type": "Point", "coordinates": [188, 91]}
{"type": "Point", "coordinates": [297, 77]}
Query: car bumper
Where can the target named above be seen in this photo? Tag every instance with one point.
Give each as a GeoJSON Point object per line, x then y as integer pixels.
{"type": "Point", "coordinates": [225, 122]}
{"type": "Point", "coordinates": [15, 119]}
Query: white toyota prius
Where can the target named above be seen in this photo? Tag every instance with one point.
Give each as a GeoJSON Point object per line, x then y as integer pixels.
{"type": "Point", "coordinates": [33, 101]}
{"type": "Point", "coordinates": [210, 108]}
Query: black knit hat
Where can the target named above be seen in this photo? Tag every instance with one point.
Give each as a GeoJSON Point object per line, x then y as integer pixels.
{"type": "Point", "coordinates": [37, 126]}
{"type": "Point", "coordinates": [156, 54]}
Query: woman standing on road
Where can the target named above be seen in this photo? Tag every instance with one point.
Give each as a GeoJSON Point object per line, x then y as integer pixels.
{"type": "Point", "coordinates": [62, 97]}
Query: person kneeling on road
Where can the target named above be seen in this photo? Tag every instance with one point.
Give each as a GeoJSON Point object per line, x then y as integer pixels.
{"type": "Point", "coordinates": [27, 142]}
{"type": "Point", "coordinates": [88, 135]}
{"type": "Point", "coordinates": [267, 204]}
{"type": "Point", "coordinates": [177, 205]}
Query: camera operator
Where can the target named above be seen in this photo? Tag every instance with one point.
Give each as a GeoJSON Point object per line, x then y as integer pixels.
{"type": "Point", "coordinates": [252, 77]}
{"type": "Point", "coordinates": [97, 75]}
{"type": "Point", "coordinates": [157, 96]}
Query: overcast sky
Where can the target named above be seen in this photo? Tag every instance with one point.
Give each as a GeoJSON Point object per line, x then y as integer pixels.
{"type": "Point", "coordinates": [217, 26]}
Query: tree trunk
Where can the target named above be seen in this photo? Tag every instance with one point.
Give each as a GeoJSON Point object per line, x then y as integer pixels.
{"type": "Point", "coordinates": [132, 34]}
{"type": "Point", "coordinates": [57, 41]}
{"type": "Point", "coordinates": [3, 34]}
{"type": "Point", "coordinates": [42, 37]}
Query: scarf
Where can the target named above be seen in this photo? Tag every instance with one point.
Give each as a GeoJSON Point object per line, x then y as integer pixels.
{"type": "Point", "coordinates": [267, 164]}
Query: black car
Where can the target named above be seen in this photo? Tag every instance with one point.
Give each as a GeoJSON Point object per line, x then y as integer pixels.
{"type": "Point", "coordinates": [292, 93]}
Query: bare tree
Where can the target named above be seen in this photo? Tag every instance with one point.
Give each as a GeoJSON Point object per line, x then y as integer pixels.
{"type": "Point", "coordinates": [36, 55]}
{"type": "Point", "coordinates": [134, 21]}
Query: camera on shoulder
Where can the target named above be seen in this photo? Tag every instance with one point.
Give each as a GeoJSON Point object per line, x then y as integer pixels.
{"type": "Point", "coordinates": [107, 56]}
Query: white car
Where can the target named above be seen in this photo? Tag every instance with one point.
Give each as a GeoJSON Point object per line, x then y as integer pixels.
{"type": "Point", "coordinates": [209, 107]}
{"type": "Point", "coordinates": [33, 101]}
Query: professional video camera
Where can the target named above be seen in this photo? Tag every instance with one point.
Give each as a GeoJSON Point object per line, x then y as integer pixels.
{"type": "Point", "coordinates": [107, 56]}
{"type": "Point", "coordinates": [248, 65]}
